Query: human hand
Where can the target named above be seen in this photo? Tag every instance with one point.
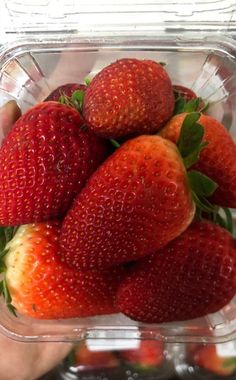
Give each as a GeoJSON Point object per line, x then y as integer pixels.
{"type": "Point", "coordinates": [29, 361]}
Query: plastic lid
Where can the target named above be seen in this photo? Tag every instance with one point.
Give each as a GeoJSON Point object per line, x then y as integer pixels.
{"type": "Point", "coordinates": [117, 16]}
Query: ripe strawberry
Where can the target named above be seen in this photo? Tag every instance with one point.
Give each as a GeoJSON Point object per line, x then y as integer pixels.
{"type": "Point", "coordinates": [65, 90]}
{"type": "Point", "coordinates": [40, 286]}
{"type": "Point", "coordinates": [217, 159]}
{"type": "Point", "coordinates": [94, 359]}
{"type": "Point", "coordinates": [193, 275]}
{"type": "Point", "coordinates": [150, 354]}
{"type": "Point", "coordinates": [45, 161]}
{"type": "Point", "coordinates": [207, 357]}
{"type": "Point", "coordinates": [127, 98]}
{"type": "Point", "coordinates": [184, 92]}
{"type": "Point", "coordinates": [136, 202]}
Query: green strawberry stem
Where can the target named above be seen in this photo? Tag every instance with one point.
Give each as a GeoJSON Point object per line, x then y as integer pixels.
{"type": "Point", "coordinates": [6, 234]}
{"type": "Point", "coordinates": [190, 145]}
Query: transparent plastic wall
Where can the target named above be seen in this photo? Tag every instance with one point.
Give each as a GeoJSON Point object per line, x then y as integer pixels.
{"type": "Point", "coordinates": [46, 44]}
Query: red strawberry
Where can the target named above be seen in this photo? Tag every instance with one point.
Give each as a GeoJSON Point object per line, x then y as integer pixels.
{"type": "Point", "coordinates": [42, 287]}
{"type": "Point", "coordinates": [150, 354]}
{"type": "Point", "coordinates": [129, 97]}
{"type": "Point", "coordinates": [44, 162]}
{"type": "Point", "coordinates": [136, 202]}
{"type": "Point", "coordinates": [193, 275]}
{"type": "Point", "coordinates": [94, 359]}
{"type": "Point", "coordinates": [217, 159]}
{"type": "Point", "coordinates": [65, 90]}
{"type": "Point", "coordinates": [207, 358]}
{"type": "Point", "coordinates": [185, 92]}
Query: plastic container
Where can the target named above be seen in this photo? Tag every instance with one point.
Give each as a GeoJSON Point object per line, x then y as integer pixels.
{"type": "Point", "coordinates": [206, 361]}
{"type": "Point", "coordinates": [146, 360]}
{"type": "Point", "coordinates": [46, 44]}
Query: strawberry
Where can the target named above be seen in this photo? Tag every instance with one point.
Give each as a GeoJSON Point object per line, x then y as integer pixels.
{"type": "Point", "coordinates": [135, 203]}
{"type": "Point", "coordinates": [65, 90]}
{"type": "Point", "coordinates": [207, 358]}
{"type": "Point", "coordinates": [127, 98]}
{"type": "Point", "coordinates": [184, 92]}
{"type": "Point", "coordinates": [193, 275]}
{"type": "Point", "coordinates": [38, 285]}
{"type": "Point", "coordinates": [217, 159]}
{"type": "Point", "coordinates": [94, 359]}
{"type": "Point", "coordinates": [45, 161]}
{"type": "Point", "coordinates": [150, 354]}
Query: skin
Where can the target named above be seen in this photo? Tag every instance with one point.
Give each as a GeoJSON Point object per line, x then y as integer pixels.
{"type": "Point", "coordinates": [29, 361]}
{"type": "Point", "coordinates": [26, 361]}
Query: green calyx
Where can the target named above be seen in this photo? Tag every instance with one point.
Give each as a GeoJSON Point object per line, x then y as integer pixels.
{"type": "Point", "coordinates": [76, 100]}
{"type": "Point", "coordinates": [6, 234]}
{"type": "Point", "coordinates": [190, 145]}
{"type": "Point", "coordinates": [193, 105]}
{"type": "Point", "coordinates": [230, 363]}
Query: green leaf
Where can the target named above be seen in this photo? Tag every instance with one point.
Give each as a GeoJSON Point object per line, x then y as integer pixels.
{"type": "Point", "coordinates": [7, 297]}
{"type": "Point", "coordinates": [12, 309]}
{"type": "Point", "coordinates": [2, 238]}
{"type": "Point", "coordinates": [77, 98]}
{"type": "Point", "coordinates": [202, 204]}
{"type": "Point", "coordinates": [179, 105]}
{"type": "Point", "coordinates": [201, 184]}
{"type": "Point", "coordinates": [6, 292]}
{"type": "Point", "coordinates": [182, 105]}
{"type": "Point", "coordinates": [115, 143]}
{"type": "Point", "coordinates": [2, 267]}
{"type": "Point", "coordinates": [3, 253]}
{"type": "Point", "coordinates": [87, 81]}
{"type": "Point", "coordinates": [194, 156]}
{"type": "Point", "coordinates": [192, 105]}
{"type": "Point", "coordinates": [191, 134]}
{"type": "Point", "coordinates": [205, 107]}
{"type": "Point", "coordinates": [9, 232]}
{"type": "Point", "coordinates": [64, 99]}
{"type": "Point", "coordinates": [220, 221]}
{"type": "Point", "coordinates": [1, 287]}
{"type": "Point", "coordinates": [229, 362]}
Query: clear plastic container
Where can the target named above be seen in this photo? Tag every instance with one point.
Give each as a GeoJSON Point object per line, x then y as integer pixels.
{"type": "Point", "coordinates": [146, 360]}
{"type": "Point", "coordinates": [206, 361]}
{"type": "Point", "coordinates": [66, 42]}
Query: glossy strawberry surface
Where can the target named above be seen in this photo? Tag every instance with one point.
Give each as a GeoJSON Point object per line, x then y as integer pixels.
{"type": "Point", "coordinates": [192, 276]}
{"type": "Point", "coordinates": [136, 202]}
{"type": "Point", "coordinates": [217, 159]}
{"type": "Point", "coordinates": [44, 288]}
{"type": "Point", "coordinates": [127, 98]}
{"type": "Point", "coordinates": [45, 161]}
